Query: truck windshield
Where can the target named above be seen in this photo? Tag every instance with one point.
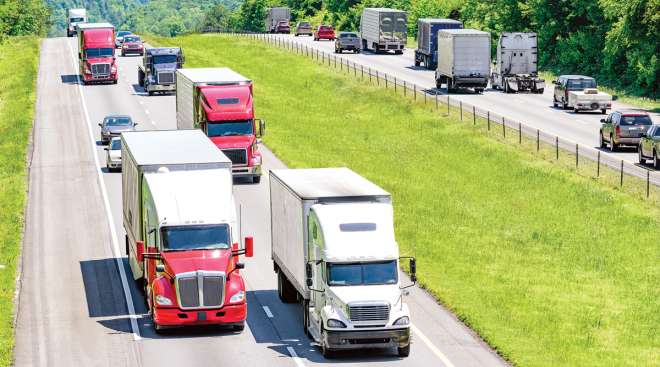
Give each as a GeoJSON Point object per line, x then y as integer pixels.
{"type": "Point", "coordinates": [196, 237]}
{"type": "Point", "coordinates": [131, 39]}
{"type": "Point", "coordinates": [76, 20]}
{"type": "Point", "coordinates": [99, 52]}
{"type": "Point", "coordinates": [118, 121]}
{"type": "Point", "coordinates": [372, 273]}
{"type": "Point", "coordinates": [164, 59]}
{"type": "Point", "coordinates": [579, 84]}
{"type": "Point", "coordinates": [239, 127]}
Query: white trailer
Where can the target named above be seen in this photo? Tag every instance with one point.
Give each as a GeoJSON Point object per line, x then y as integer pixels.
{"type": "Point", "coordinates": [516, 67]}
{"type": "Point", "coordinates": [589, 99]}
{"type": "Point", "coordinates": [463, 59]}
{"type": "Point", "coordinates": [383, 29]}
{"type": "Point", "coordinates": [328, 223]}
{"type": "Point", "coordinates": [146, 153]}
{"type": "Point", "coordinates": [276, 15]}
{"type": "Point", "coordinates": [75, 17]}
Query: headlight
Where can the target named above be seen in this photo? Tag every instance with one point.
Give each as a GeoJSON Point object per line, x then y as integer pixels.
{"type": "Point", "coordinates": [114, 68]}
{"type": "Point", "coordinates": [336, 323]}
{"type": "Point", "coordinates": [238, 297]}
{"type": "Point", "coordinates": [163, 301]}
{"type": "Point", "coordinates": [87, 71]}
{"type": "Point", "coordinates": [402, 321]}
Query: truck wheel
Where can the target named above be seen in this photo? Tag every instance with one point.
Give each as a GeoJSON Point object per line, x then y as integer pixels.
{"type": "Point", "coordinates": [151, 93]}
{"type": "Point", "coordinates": [417, 62]}
{"type": "Point", "coordinates": [404, 351]}
{"type": "Point", "coordinates": [325, 350]}
{"type": "Point", "coordinates": [305, 311]}
{"type": "Point", "coordinates": [479, 90]}
{"type": "Point", "coordinates": [285, 289]}
{"type": "Point", "coordinates": [239, 327]}
{"type": "Point", "coordinates": [576, 110]}
{"type": "Point", "coordinates": [256, 179]}
{"type": "Point", "coordinates": [398, 52]}
{"type": "Point", "coordinates": [613, 145]}
{"type": "Point", "coordinates": [540, 91]}
{"type": "Point", "coordinates": [564, 105]}
{"type": "Point", "coordinates": [364, 44]}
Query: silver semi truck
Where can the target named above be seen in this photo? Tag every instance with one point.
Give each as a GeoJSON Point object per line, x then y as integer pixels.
{"type": "Point", "coordinates": [157, 73]}
{"type": "Point", "coordinates": [516, 67]}
{"type": "Point", "coordinates": [383, 29]}
{"type": "Point", "coordinates": [463, 59]}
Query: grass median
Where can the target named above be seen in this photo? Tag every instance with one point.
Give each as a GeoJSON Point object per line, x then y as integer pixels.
{"type": "Point", "coordinates": [18, 73]}
{"type": "Point", "coordinates": [549, 267]}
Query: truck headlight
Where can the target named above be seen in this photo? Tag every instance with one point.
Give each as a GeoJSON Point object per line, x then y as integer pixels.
{"type": "Point", "coordinates": [238, 297]}
{"type": "Point", "coordinates": [114, 68]}
{"type": "Point", "coordinates": [87, 71]}
{"type": "Point", "coordinates": [402, 321]}
{"type": "Point", "coordinates": [163, 301]}
{"type": "Point", "coordinates": [336, 323]}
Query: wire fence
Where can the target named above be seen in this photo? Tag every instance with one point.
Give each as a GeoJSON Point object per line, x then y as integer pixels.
{"type": "Point", "coordinates": [588, 161]}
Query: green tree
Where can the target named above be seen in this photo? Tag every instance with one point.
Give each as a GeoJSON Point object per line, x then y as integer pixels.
{"type": "Point", "coordinates": [23, 17]}
{"type": "Point", "coordinates": [252, 14]}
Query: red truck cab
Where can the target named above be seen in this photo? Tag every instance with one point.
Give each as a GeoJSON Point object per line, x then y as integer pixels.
{"type": "Point", "coordinates": [223, 105]}
{"type": "Point", "coordinates": [96, 52]}
{"type": "Point", "coordinates": [324, 32]}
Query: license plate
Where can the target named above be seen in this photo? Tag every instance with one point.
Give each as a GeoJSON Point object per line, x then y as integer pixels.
{"type": "Point", "coordinates": [201, 316]}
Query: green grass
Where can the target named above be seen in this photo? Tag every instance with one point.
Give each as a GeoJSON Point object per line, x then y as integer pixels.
{"type": "Point", "coordinates": [646, 103]}
{"type": "Point", "coordinates": [18, 72]}
{"type": "Point", "coordinates": [549, 267]}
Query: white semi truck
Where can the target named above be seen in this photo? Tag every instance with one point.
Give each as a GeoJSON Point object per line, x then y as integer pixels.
{"type": "Point", "coordinates": [383, 29]}
{"type": "Point", "coordinates": [463, 59]}
{"type": "Point", "coordinates": [333, 248]}
{"type": "Point", "coordinates": [75, 17]}
{"type": "Point", "coordinates": [516, 67]}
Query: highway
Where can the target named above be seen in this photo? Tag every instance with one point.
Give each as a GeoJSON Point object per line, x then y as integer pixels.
{"type": "Point", "coordinates": [533, 110]}
{"type": "Point", "coordinates": [77, 307]}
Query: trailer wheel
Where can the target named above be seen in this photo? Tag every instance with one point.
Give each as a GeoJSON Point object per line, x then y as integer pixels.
{"type": "Point", "coordinates": [416, 62]}
{"type": "Point", "coordinates": [305, 310]}
{"type": "Point", "coordinates": [364, 44]}
{"type": "Point", "coordinates": [285, 289]}
{"type": "Point", "coordinates": [656, 160]}
{"type": "Point", "coordinates": [404, 351]}
{"type": "Point", "coordinates": [256, 179]}
{"type": "Point", "coordinates": [540, 91]}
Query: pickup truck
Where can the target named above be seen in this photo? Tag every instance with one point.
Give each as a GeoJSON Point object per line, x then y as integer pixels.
{"type": "Point", "coordinates": [578, 92]}
{"type": "Point", "coordinates": [349, 41]}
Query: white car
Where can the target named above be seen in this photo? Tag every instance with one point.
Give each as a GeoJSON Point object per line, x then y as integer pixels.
{"type": "Point", "coordinates": [113, 155]}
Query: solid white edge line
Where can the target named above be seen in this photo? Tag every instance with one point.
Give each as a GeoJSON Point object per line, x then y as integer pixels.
{"type": "Point", "coordinates": [295, 357]}
{"type": "Point", "coordinates": [433, 348]}
{"type": "Point", "coordinates": [267, 311]}
{"type": "Point", "coordinates": [106, 201]}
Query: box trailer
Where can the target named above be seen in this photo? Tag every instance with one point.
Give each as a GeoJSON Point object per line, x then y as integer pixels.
{"type": "Point", "coordinates": [516, 65]}
{"type": "Point", "coordinates": [463, 59]}
{"type": "Point", "coordinates": [273, 18]}
{"type": "Point", "coordinates": [75, 17]}
{"type": "Point", "coordinates": [383, 29]}
{"type": "Point", "coordinates": [427, 40]}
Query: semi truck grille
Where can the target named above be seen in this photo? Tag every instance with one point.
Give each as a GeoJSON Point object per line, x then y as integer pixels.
{"type": "Point", "coordinates": [165, 77]}
{"type": "Point", "coordinates": [100, 70]}
{"type": "Point", "coordinates": [201, 289]}
{"type": "Point", "coordinates": [237, 156]}
{"type": "Point", "coordinates": [380, 312]}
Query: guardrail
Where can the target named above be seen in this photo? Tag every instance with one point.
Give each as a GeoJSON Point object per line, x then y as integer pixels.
{"type": "Point", "coordinates": [585, 158]}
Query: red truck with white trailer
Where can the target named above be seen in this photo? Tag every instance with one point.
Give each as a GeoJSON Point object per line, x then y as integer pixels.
{"type": "Point", "coordinates": [96, 52]}
{"type": "Point", "coordinates": [219, 101]}
{"type": "Point", "coordinates": [181, 229]}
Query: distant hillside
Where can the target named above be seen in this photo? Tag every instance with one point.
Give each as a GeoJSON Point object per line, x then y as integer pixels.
{"type": "Point", "coordinates": [162, 17]}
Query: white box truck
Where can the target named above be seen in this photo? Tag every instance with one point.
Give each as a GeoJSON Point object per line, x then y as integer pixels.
{"type": "Point", "coordinates": [333, 248]}
{"type": "Point", "coordinates": [273, 18]}
{"type": "Point", "coordinates": [181, 232]}
{"type": "Point", "coordinates": [75, 17]}
{"type": "Point", "coordinates": [516, 67]}
{"type": "Point", "coordinates": [383, 29]}
{"type": "Point", "coordinates": [463, 59]}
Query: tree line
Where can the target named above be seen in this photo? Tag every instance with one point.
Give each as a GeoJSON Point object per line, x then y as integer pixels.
{"type": "Point", "coordinates": [615, 41]}
{"type": "Point", "coordinates": [23, 17]}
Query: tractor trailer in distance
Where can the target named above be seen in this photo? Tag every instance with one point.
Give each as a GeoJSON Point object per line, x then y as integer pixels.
{"type": "Point", "coordinates": [427, 40]}
{"type": "Point", "coordinates": [516, 68]}
{"type": "Point", "coordinates": [463, 59]}
{"type": "Point", "coordinates": [333, 248]}
{"type": "Point", "coordinates": [219, 102]}
{"type": "Point", "coordinates": [96, 52]}
{"type": "Point", "coordinates": [278, 20]}
{"type": "Point", "coordinates": [75, 17]}
{"type": "Point", "coordinates": [157, 72]}
{"type": "Point", "coordinates": [383, 29]}
{"type": "Point", "coordinates": [181, 231]}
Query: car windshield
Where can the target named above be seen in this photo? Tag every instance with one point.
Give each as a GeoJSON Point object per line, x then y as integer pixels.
{"type": "Point", "coordinates": [348, 35]}
{"type": "Point", "coordinates": [118, 121]}
{"type": "Point", "coordinates": [122, 33]}
{"type": "Point", "coordinates": [579, 84]}
{"type": "Point", "coordinates": [240, 127]}
{"type": "Point", "coordinates": [115, 144]}
{"type": "Point", "coordinates": [99, 52]}
{"type": "Point", "coordinates": [635, 120]}
{"type": "Point", "coordinates": [164, 59]}
{"type": "Point", "coordinates": [304, 24]}
{"type": "Point", "coordinates": [131, 39]}
{"type": "Point", "coordinates": [76, 20]}
{"type": "Point", "coordinates": [372, 273]}
{"type": "Point", "coordinates": [196, 237]}
{"type": "Point", "coordinates": [325, 28]}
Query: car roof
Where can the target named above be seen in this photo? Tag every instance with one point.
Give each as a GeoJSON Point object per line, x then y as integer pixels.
{"type": "Point", "coordinates": [632, 112]}
{"type": "Point", "coordinates": [354, 33]}
{"type": "Point", "coordinates": [575, 77]}
{"type": "Point", "coordinates": [117, 116]}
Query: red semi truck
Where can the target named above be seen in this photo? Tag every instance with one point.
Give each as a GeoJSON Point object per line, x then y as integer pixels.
{"type": "Point", "coordinates": [96, 52]}
{"type": "Point", "coordinates": [219, 101]}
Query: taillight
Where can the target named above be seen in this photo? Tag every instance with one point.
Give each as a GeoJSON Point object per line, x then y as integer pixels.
{"type": "Point", "coordinates": [618, 130]}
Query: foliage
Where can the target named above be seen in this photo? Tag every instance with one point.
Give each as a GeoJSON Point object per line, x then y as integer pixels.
{"type": "Point", "coordinates": [23, 17]}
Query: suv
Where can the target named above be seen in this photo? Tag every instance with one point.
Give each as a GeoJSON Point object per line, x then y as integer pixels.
{"type": "Point", "coordinates": [120, 37]}
{"type": "Point", "coordinates": [567, 83]}
{"type": "Point", "coordinates": [649, 146]}
{"type": "Point", "coordinates": [623, 128]}
{"type": "Point", "coordinates": [283, 26]}
{"type": "Point", "coordinates": [303, 28]}
{"type": "Point", "coordinates": [325, 32]}
{"type": "Point", "coordinates": [132, 44]}
{"type": "Point", "coordinates": [113, 125]}
{"type": "Point", "coordinates": [347, 41]}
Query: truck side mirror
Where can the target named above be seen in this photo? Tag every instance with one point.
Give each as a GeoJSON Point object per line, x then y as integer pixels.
{"type": "Point", "coordinates": [413, 269]}
{"type": "Point", "coordinates": [139, 247]}
{"type": "Point", "coordinates": [262, 127]}
{"type": "Point", "coordinates": [249, 246]}
{"type": "Point", "coordinates": [160, 268]}
{"type": "Point", "coordinates": [309, 271]}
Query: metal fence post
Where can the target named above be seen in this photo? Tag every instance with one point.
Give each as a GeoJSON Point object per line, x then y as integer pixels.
{"type": "Point", "coordinates": [519, 133]}
{"type": "Point", "coordinates": [598, 165]}
{"type": "Point", "coordinates": [369, 75]}
{"type": "Point", "coordinates": [377, 79]}
{"type": "Point", "coordinates": [648, 183]}
{"type": "Point", "coordinates": [447, 104]}
{"type": "Point", "coordinates": [621, 183]}
{"type": "Point", "coordinates": [460, 107]}
{"type": "Point", "coordinates": [538, 140]}
{"type": "Point", "coordinates": [404, 88]}
{"type": "Point", "coordinates": [361, 71]}
{"type": "Point", "coordinates": [577, 156]}
{"type": "Point", "coordinates": [436, 101]}
{"type": "Point", "coordinates": [394, 85]}
{"type": "Point", "coordinates": [488, 118]}
{"type": "Point", "coordinates": [415, 91]}
{"type": "Point", "coordinates": [474, 115]}
{"type": "Point", "coordinates": [503, 128]}
{"type": "Point", "coordinates": [557, 147]}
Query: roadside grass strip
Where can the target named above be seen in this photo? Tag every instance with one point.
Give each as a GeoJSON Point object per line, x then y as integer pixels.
{"type": "Point", "coordinates": [549, 267]}
{"type": "Point", "coordinates": [18, 73]}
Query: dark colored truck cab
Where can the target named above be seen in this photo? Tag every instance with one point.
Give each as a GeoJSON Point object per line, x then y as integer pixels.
{"type": "Point", "coordinates": [427, 40]}
{"type": "Point", "coordinates": [157, 73]}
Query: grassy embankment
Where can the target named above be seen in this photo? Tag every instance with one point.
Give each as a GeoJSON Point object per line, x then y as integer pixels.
{"type": "Point", "coordinates": [549, 267]}
{"type": "Point", "coordinates": [18, 72]}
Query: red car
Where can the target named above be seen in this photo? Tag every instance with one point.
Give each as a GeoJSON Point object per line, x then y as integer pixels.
{"type": "Point", "coordinates": [132, 44]}
{"type": "Point", "coordinates": [325, 32]}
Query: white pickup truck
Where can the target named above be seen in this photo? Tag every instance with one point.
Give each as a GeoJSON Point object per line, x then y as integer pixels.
{"type": "Point", "coordinates": [590, 99]}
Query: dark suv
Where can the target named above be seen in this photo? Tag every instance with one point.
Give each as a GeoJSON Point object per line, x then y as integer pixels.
{"type": "Point", "coordinates": [624, 128]}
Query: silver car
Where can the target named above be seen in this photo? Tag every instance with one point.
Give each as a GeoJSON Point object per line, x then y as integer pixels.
{"type": "Point", "coordinates": [347, 41]}
{"type": "Point", "coordinates": [114, 125]}
{"type": "Point", "coordinates": [113, 155]}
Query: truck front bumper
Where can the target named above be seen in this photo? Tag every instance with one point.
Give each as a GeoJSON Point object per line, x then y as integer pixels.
{"type": "Point", "coordinates": [368, 339]}
{"type": "Point", "coordinates": [89, 78]}
{"type": "Point", "coordinates": [244, 171]}
{"type": "Point", "coordinates": [160, 87]}
{"type": "Point", "coordinates": [227, 315]}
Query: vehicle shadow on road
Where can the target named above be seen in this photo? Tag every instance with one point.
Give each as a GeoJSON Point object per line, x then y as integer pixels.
{"type": "Point", "coordinates": [70, 79]}
{"type": "Point", "coordinates": [139, 90]}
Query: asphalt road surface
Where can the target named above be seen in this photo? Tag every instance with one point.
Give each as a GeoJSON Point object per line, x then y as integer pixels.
{"type": "Point", "coordinates": [77, 307]}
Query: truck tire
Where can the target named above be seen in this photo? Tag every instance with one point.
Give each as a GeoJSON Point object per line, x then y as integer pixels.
{"type": "Point", "coordinates": [575, 110]}
{"type": "Point", "coordinates": [398, 52]}
{"type": "Point", "coordinates": [239, 327]}
{"type": "Point", "coordinates": [305, 311]}
{"type": "Point", "coordinates": [564, 104]}
{"type": "Point", "coordinates": [416, 62]}
{"type": "Point", "coordinates": [540, 91]}
{"type": "Point", "coordinates": [256, 179]}
{"type": "Point", "coordinates": [325, 350]}
{"type": "Point", "coordinates": [140, 78]}
{"type": "Point", "coordinates": [364, 44]}
{"type": "Point", "coordinates": [285, 289]}
{"type": "Point", "coordinates": [404, 351]}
